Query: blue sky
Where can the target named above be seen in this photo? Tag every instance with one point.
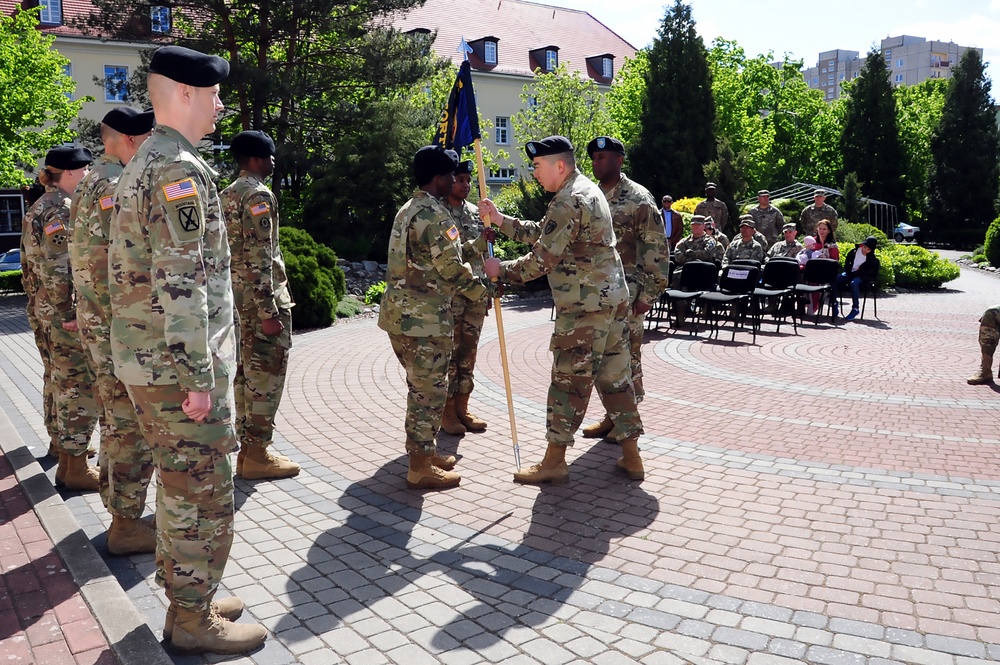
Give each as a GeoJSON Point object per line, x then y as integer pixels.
{"type": "Point", "coordinates": [803, 28]}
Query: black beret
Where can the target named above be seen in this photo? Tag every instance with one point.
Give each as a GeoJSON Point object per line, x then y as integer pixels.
{"type": "Point", "coordinates": [67, 157]}
{"type": "Point", "coordinates": [189, 67]}
{"type": "Point", "coordinates": [433, 160]}
{"type": "Point", "coordinates": [252, 143]}
{"type": "Point", "coordinates": [551, 145]}
{"type": "Point", "coordinates": [464, 167]}
{"type": "Point", "coordinates": [605, 143]}
{"type": "Point", "coordinates": [130, 121]}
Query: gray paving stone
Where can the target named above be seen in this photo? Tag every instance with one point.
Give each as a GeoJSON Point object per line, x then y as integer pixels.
{"type": "Point", "coordinates": [411, 654]}
{"type": "Point", "coordinates": [547, 651]}
{"type": "Point", "coordinates": [994, 651]}
{"type": "Point", "coordinates": [729, 654]}
{"type": "Point", "coordinates": [809, 619]}
{"type": "Point", "coordinates": [859, 628]}
{"type": "Point", "coordinates": [787, 648]}
{"type": "Point", "coordinates": [694, 628]}
{"type": "Point", "coordinates": [490, 647]}
{"type": "Point", "coordinates": [741, 638]}
{"type": "Point", "coordinates": [907, 637]}
{"type": "Point", "coordinates": [826, 656]}
{"type": "Point", "coordinates": [613, 609]}
{"type": "Point", "coordinates": [308, 611]}
{"type": "Point", "coordinates": [655, 618]}
{"type": "Point", "coordinates": [324, 657]}
{"type": "Point", "coordinates": [921, 656]}
{"type": "Point", "coordinates": [388, 640]}
{"type": "Point", "coordinates": [300, 640]}
{"type": "Point", "coordinates": [273, 653]}
{"type": "Point", "coordinates": [683, 644]}
{"type": "Point", "coordinates": [633, 648]}
{"type": "Point", "coordinates": [370, 626]}
{"type": "Point", "coordinates": [765, 611]}
{"type": "Point", "coordinates": [772, 659]}
{"type": "Point", "coordinates": [956, 645]}
{"type": "Point", "coordinates": [863, 645]}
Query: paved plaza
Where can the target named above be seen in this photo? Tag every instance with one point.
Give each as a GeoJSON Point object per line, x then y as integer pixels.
{"type": "Point", "coordinates": [830, 497]}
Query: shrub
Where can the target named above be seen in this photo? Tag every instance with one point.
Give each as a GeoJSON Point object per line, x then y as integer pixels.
{"type": "Point", "coordinates": [854, 233]}
{"type": "Point", "coordinates": [373, 295]}
{"type": "Point", "coordinates": [790, 208]}
{"type": "Point", "coordinates": [687, 205]}
{"type": "Point", "coordinates": [917, 268]}
{"type": "Point", "coordinates": [991, 248]}
{"type": "Point", "coordinates": [316, 281]}
{"type": "Point", "coordinates": [349, 306]}
{"type": "Point", "coordinates": [10, 282]}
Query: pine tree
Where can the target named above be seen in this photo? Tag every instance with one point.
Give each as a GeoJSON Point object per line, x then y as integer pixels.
{"type": "Point", "coordinates": [676, 137]}
{"type": "Point", "coordinates": [870, 143]}
{"type": "Point", "coordinates": [965, 148]}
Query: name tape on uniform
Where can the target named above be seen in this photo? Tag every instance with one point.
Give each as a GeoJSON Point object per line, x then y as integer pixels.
{"type": "Point", "coordinates": [181, 189]}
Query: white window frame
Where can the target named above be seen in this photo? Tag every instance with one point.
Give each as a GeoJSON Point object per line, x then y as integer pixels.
{"type": "Point", "coordinates": [490, 52]}
{"type": "Point", "coordinates": [899, 78]}
{"type": "Point", "coordinates": [157, 13]}
{"type": "Point", "coordinates": [607, 67]}
{"type": "Point", "coordinates": [51, 13]}
{"type": "Point", "coordinates": [501, 125]}
{"type": "Point", "coordinates": [551, 59]}
{"type": "Point", "coordinates": [115, 98]}
{"type": "Point", "coordinates": [899, 62]}
{"type": "Point", "coordinates": [505, 174]}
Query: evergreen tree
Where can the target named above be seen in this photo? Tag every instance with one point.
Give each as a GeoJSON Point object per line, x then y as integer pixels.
{"type": "Point", "coordinates": [854, 205]}
{"type": "Point", "coordinates": [965, 148]}
{"type": "Point", "coordinates": [870, 142]}
{"type": "Point", "coordinates": [677, 136]}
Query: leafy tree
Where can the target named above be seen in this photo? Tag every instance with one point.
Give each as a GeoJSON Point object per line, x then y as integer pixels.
{"type": "Point", "coordinates": [870, 142]}
{"type": "Point", "coordinates": [919, 108]}
{"type": "Point", "coordinates": [35, 105]}
{"type": "Point", "coordinates": [965, 149]}
{"type": "Point", "coordinates": [624, 100]}
{"type": "Point", "coordinates": [851, 200]}
{"type": "Point", "coordinates": [676, 136]}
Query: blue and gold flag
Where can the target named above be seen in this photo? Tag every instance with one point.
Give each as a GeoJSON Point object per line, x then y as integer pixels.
{"type": "Point", "coordinates": [459, 124]}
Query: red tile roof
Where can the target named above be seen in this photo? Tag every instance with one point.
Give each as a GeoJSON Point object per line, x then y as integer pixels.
{"type": "Point", "coordinates": [72, 10]}
{"type": "Point", "coordinates": [520, 27]}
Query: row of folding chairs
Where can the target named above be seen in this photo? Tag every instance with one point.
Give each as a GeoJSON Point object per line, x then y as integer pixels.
{"type": "Point", "coordinates": [745, 290]}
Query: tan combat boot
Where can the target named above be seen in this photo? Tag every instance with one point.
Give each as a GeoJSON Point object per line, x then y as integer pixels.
{"type": "Point", "coordinates": [598, 430]}
{"type": "Point", "coordinates": [77, 475]}
{"type": "Point", "coordinates": [449, 420]}
{"type": "Point", "coordinates": [985, 373]}
{"type": "Point", "coordinates": [129, 535]}
{"type": "Point", "coordinates": [259, 464]}
{"type": "Point", "coordinates": [424, 475]}
{"type": "Point", "coordinates": [469, 421]}
{"type": "Point", "coordinates": [201, 631]}
{"type": "Point", "coordinates": [61, 469]}
{"type": "Point", "coordinates": [552, 468]}
{"type": "Point", "coordinates": [230, 609]}
{"type": "Point", "coordinates": [630, 462]}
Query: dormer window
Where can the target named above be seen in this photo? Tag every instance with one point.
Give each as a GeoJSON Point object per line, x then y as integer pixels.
{"type": "Point", "coordinates": [159, 20]}
{"type": "Point", "coordinates": [490, 52]}
{"type": "Point", "coordinates": [551, 59]}
{"type": "Point", "coordinates": [607, 67]}
{"type": "Point", "coordinates": [51, 13]}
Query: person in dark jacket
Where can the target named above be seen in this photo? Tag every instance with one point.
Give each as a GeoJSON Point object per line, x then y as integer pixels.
{"type": "Point", "coordinates": [860, 267]}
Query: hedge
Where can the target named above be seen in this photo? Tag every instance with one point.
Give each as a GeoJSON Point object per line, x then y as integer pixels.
{"type": "Point", "coordinates": [316, 281]}
{"type": "Point", "coordinates": [10, 282]}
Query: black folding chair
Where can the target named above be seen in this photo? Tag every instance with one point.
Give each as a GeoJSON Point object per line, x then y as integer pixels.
{"type": "Point", "coordinates": [697, 277]}
{"type": "Point", "coordinates": [745, 262]}
{"type": "Point", "coordinates": [735, 293]}
{"type": "Point", "coordinates": [868, 288]}
{"type": "Point", "coordinates": [777, 291]}
{"type": "Point", "coordinates": [820, 276]}
{"type": "Point", "coordinates": [659, 311]}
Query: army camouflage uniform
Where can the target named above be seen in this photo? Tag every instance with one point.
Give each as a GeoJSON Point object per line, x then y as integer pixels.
{"type": "Point", "coordinates": [127, 461]}
{"type": "Point", "coordinates": [574, 244]}
{"type": "Point", "coordinates": [784, 248]}
{"type": "Point", "coordinates": [47, 261]}
{"type": "Point", "coordinates": [705, 248]}
{"type": "Point", "coordinates": [260, 291]}
{"type": "Point", "coordinates": [30, 285]}
{"type": "Point", "coordinates": [425, 273]}
{"type": "Point", "coordinates": [642, 247]}
{"type": "Point", "coordinates": [769, 222]}
{"type": "Point", "coordinates": [171, 334]}
{"type": "Point", "coordinates": [743, 250]}
{"type": "Point", "coordinates": [469, 315]}
{"type": "Point", "coordinates": [811, 216]}
{"type": "Point", "coordinates": [717, 210]}
{"type": "Point", "coordinates": [989, 337]}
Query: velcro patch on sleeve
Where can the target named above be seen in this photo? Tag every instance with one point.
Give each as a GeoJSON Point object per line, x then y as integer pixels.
{"type": "Point", "coordinates": [452, 233]}
{"type": "Point", "coordinates": [107, 203]}
{"type": "Point", "coordinates": [181, 189]}
{"type": "Point", "coordinates": [54, 227]}
{"type": "Point", "coordinates": [260, 209]}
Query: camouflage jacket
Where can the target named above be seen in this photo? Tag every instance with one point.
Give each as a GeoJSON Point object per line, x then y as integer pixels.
{"type": "Point", "coordinates": [470, 227]}
{"type": "Point", "coordinates": [811, 215]}
{"type": "Point", "coordinates": [47, 257]}
{"type": "Point", "coordinates": [641, 239]}
{"type": "Point", "coordinates": [782, 248]}
{"type": "Point", "coordinates": [769, 222]}
{"type": "Point", "coordinates": [171, 292]}
{"type": "Point", "coordinates": [260, 286]}
{"type": "Point", "coordinates": [90, 217]}
{"type": "Point", "coordinates": [744, 250]}
{"type": "Point", "coordinates": [425, 271]}
{"type": "Point", "coordinates": [704, 248]}
{"type": "Point", "coordinates": [574, 244]}
{"type": "Point", "coordinates": [717, 210]}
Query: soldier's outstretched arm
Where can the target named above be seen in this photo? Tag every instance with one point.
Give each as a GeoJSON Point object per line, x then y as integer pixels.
{"type": "Point", "coordinates": [547, 252]}
{"type": "Point", "coordinates": [446, 254]}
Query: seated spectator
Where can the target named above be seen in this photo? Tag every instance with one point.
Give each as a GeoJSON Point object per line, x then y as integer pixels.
{"type": "Point", "coordinates": [808, 251]}
{"type": "Point", "coordinates": [745, 247]}
{"type": "Point", "coordinates": [860, 267]}
{"type": "Point", "coordinates": [789, 247]}
{"type": "Point", "coordinates": [699, 246]}
{"type": "Point", "coordinates": [827, 243]}
{"type": "Point", "coordinates": [719, 236]}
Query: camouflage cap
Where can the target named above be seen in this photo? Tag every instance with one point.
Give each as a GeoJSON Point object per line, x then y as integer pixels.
{"type": "Point", "coordinates": [763, 192]}
{"type": "Point", "coordinates": [747, 220]}
{"type": "Point", "coordinates": [820, 192]}
{"type": "Point", "coordinates": [700, 219]}
{"type": "Point", "coordinates": [790, 226]}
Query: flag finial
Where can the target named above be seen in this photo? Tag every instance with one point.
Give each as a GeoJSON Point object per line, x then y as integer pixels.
{"type": "Point", "coordinates": [464, 48]}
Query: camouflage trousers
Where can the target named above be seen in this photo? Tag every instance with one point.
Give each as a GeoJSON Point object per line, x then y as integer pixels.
{"type": "Point", "coordinates": [635, 331]}
{"type": "Point", "coordinates": [425, 361]}
{"type": "Point", "coordinates": [48, 394]}
{"type": "Point", "coordinates": [591, 348]}
{"type": "Point", "coordinates": [126, 459]}
{"type": "Point", "coordinates": [469, 317]}
{"type": "Point", "coordinates": [74, 400]}
{"type": "Point", "coordinates": [989, 329]}
{"type": "Point", "coordinates": [260, 380]}
{"type": "Point", "coordinates": [194, 493]}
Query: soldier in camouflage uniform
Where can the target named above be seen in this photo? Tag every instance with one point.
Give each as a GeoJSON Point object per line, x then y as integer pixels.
{"type": "Point", "coordinates": [468, 314]}
{"type": "Point", "coordinates": [816, 211]}
{"type": "Point", "coordinates": [48, 268]}
{"type": "Point", "coordinates": [574, 245]}
{"type": "Point", "coordinates": [126, 459]}
{"type": "Point", "coordinates": [789, 247]}
{"type": "Point", "coordinates": [769, 219]}
{"type": "Point", "coordinates": [264, 304]}
{"type": "Point", "coordinates": [714, 208]}
{"type": "Point", "coordinates": [699, 246]}
{"type": "Point", "coordinates": [642, 246]}
{"type": "Point", "coordinates": [745, 246]}
{"type": "Point", "coordinates": [174, 346]}
{"type": "Point", "coordinates": [989, 336]}
{"type": "Point", "coordinates": [426, 271]}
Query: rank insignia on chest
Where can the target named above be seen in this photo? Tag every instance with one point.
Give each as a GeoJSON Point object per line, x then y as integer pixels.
{"type": "Point", "coordinates": [452, 233]}
{"type": "Point", "coordinates": [54, 227]}
{"type": "Point", "coordinates": [107, 203]}
{"type": "Point", "coordinates": [260, 209]}
{"type": "Point", "coordinates": [181, 189]}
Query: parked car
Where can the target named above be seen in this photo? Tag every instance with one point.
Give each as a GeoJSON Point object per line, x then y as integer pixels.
{"type": "Point", "coordinates": [10, 260]}
{"type": "Point", "coordinates": [906, 232]}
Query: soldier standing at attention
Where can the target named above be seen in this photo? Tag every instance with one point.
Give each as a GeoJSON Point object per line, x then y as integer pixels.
{"type": "Point", "coordinates": [264, 305]}
{"type": "Point", "coordinates": [769, 219]}
{"type": "Point", "coordinates": [574, 245]}
{"type": "Point", "coordinates": [425, 273]}
{"type": "Point", "coordinates": [714, 208]}
{"type": "Point", "coordinates": [126, 460]}
{"type": "Point", "coordinates": [47, 263]}
{"type": "Point", "coordinates": [989, 336]}
{"type": "Point", "coordinates": [642, 246]}
{"type": "Point", "coordinates": [468, 314]}
{"type": "Point", "coordinates": [815, 212]}
{"type": "Point", "coordinates": [174, 346]}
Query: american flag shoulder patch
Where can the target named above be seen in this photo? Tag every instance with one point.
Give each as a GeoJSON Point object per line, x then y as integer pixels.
{"type": "Point", "coordinates": [181, 189]}
{"type": "Point", "coordinates": [107, 203]}
{"type": "Point", "coordinates": [452, 233]}
{"type": "Point", "coordinates": [54, 227]}
{"type": "Point", "coordinates": [260, 209]}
